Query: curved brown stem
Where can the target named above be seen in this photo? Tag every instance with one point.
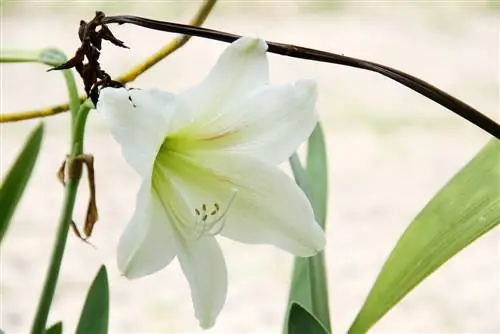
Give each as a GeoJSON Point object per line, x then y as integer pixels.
{"type": "Point", "coordinates": [448, 101]}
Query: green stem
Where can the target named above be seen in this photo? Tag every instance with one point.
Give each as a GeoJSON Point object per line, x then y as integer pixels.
{"type": "Point", "coordinates": [74, 99]}
{"type": "Point", "coordinates": [55, 57]}
{"type": "Point", "coordinates": [56, 258]}
{"type": "Point", "coordinates": [19, 56]}
{"type": "Point", "coordinates": [51, 57]}
{"type": "Point", "coordinates": [80, 122]}
{"type": "Point", "coordinates": [45, 301]}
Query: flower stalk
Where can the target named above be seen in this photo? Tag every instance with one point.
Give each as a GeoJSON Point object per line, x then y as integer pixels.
{"type": "Point", "coordinates": [51, 278]}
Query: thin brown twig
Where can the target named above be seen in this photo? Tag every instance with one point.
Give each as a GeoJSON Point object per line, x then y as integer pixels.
{"type": "Point", "coordinates": [437, 95]}
{"type": "Point", "coordinates": [448, 101]}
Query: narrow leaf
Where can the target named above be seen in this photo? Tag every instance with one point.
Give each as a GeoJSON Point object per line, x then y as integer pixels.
{"type": "Point", "coordinates": [16, 179]}
{"type": "Point", "coordinates": [300, 174]}
{"type": "Point", "coordinates": [466, 208]}
{"type": "Point", "coordinates": [303, 322]}
{"type": "Point", "coordinates": [300, 289]}
{"type": "Point", "coordinates": [317, 174]}
{"type": "Point", "coordinates": [56, 328]}
{"type": "Point", "coordinates": [309, 284]}
{"type": "Point", "coordinates": [94, 317]}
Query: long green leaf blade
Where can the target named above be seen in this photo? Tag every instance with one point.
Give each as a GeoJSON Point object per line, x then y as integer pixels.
{"type": "Point", "coordinates": [303, 322]}
{"type": "Point", "coordinates": [317, 174]}
{"type": "Point", "coordinates": [466, 208]}
{"type": "Point", "coordinates": [300, 289]}
{"type": "Point", "coordinates": [94, 317]}
{"type": "Point", "coordinates": [56, 328]}
{"type": "Point", "coordinates": [309, 284]}
{"type": "Point", "coordinates": [15, 182]}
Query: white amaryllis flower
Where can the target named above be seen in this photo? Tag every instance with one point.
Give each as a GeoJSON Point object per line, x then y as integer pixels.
{"type": "Point", "coordinates": [209, 157]}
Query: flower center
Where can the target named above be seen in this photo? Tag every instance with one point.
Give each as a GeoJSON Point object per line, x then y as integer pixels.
{"type": "Point", "coordinates": [211, 220]}
{"type": "Point", "coordinates": [184, 186]}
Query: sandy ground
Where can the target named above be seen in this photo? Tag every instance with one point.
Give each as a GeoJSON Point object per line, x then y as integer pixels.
{"type": "Point", "coordinates": [389, 149]}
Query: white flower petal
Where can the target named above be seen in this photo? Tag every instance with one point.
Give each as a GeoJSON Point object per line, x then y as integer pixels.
{"type": "Point", "coordinates": [204, 266]}
{"type": "Point", "coordinates": [268, 207]}
{"type": "Point", "coordinates": [148, 242]}
{"type": "Point", "coordinates": [269, 123]}
{"type": "Point", "coordinates": [139, 121]}
{"type": "Point", "coordinates": [199, 255]}
{"type": "Point", "coordinates": [241, 68]}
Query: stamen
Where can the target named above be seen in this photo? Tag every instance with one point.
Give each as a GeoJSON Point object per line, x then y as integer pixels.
{"type": "Point", "coordinates": [215, 224]}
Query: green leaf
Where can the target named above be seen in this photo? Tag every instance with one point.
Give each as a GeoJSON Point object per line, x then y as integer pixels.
{"type": "Point", "coordinates": [94, 317]}
{"type": "Point", "coordinates": [56, 328]}
{"type": "Point", "coordinates": [300, 289]}
{"type": "Point", "coordinates": [15, 182]}
{"type": "Point", "coordinates": [303, 322]}
{"type": "Point", "coordinates": [466, 208]}
{"type": "Point", "coordinates": [309, 284]}
{"type": "Point", "coordinates": [317, 174]}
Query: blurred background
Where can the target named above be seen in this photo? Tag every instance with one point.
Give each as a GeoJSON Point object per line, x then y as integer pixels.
{"type": "Point", "coordinates": [390, 150]}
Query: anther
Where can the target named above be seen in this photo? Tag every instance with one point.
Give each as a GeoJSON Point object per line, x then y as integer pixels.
{"type": "Point", "coordinates": [215, 224]}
